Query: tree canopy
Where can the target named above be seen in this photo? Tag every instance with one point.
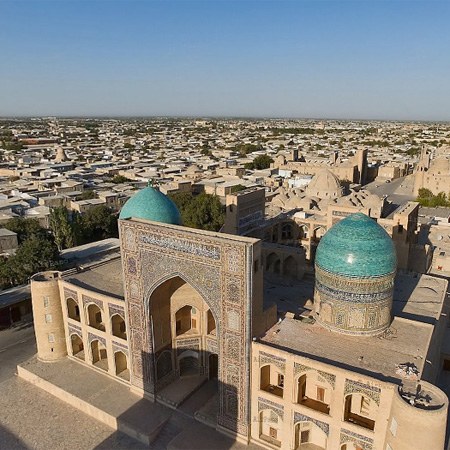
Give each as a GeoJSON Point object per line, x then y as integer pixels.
{"type": "Point", "coordinates": [118, 179]}
{"type": "Point", "coordinates": [37, 252]}
{"type": "Point", "coordinates": [259, 163]}
{"type": "Point", "coordinates": [203, 211]}
{"type": "Point", "coordinates": [26, 228]}
{"type": "Point", "coordinates": [98, 223]}
{"type": "Point", "coordinates": [427, 198]}
{"type": "Point", "coordinates": [63, 229]}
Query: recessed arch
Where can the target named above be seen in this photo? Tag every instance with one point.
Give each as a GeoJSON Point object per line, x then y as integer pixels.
{"type": "Point", "coordinates": [77, 346]}
{"type": "Point", "coordinates": [270, 260]}
{"type": "Point", "coordinates": [360, 410]}
{"type": "Point", "coordinates": [121, 365]}
{"type": "Point", "coordinates": [312, 392]}
{"type": "Point", "coordinates": [118, 326]}
{"type": "Point", "coordinates": [271, 380]}
{"type": "Point", "coordinates": [308, 434]}
{"type": "Point", "coordinates": [73, 310]}
{"type": "Point", "coordinates": [99, 355]}
{"type": "Point", "coordinates": [95, 316]}
{"type": "Point", "coordinates": [173, 275]}
{"type": "Point", "coordinates": [164, 364]}
{"type": "Point", "coordinates": [189, 363]}
{"type": "Point", "coordinates": [290, 267]}
{"type": "Point", "coordinates": [270, 426]}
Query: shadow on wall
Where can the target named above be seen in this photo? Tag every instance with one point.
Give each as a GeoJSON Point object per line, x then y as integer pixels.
{"type": "Point", "coordinates": [185, 413]}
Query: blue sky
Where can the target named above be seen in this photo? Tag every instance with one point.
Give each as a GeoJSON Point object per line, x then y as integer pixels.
{"type": "Point", "coordinates": [387, 59]}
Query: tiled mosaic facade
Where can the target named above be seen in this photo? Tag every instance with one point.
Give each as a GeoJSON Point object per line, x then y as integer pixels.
{"type": "Point", "coordinates": [353, 305]}
{"type": "Point", "coordinates": [220, 270]}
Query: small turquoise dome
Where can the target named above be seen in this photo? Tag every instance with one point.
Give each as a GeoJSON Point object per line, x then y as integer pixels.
{"type": "Point", "coordinates": [150, 204]}
{"type": "Point", "coordinates": [357, 247]}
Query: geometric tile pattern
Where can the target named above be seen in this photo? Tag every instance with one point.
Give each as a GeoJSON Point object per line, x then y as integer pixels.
{"type": "Point", "coordinates": [221, 272]}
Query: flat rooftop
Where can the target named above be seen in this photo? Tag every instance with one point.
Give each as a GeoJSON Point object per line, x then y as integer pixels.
{"type": "Point", "coordinates": [406, 341]}
{"type": "Point", "coordinates": [106, 278]}
{"type": "Point", "coordinates": [91, 250]}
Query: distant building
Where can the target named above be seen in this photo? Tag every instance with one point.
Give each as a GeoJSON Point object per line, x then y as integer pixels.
{"type": "Point", "coordinates": [433, 174]}
{"type": "Point", "coordinates": [8, 241]}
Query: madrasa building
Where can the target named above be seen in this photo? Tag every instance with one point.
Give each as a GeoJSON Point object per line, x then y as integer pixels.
{"type": "Point", "coordinates": [350, 366]}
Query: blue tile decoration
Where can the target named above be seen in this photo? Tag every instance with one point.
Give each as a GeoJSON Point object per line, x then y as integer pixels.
{"type": "Point", "coordinates": [151, 204]}
{"type": "Point", "coordinates": [357, 247]}
{"type": "Point", "coordinates": [355, 270]}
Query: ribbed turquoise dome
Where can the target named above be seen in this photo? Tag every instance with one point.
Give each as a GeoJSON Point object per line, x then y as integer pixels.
{"type": "Point", "coordinates": [357, 247]}
{"type": "Point", "coordinates": [150, 204]}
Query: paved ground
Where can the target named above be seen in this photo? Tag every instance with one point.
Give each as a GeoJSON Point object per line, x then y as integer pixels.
{"type": "Point", "coordinates": [398, 191]}
{"type": "Point", "coordinates": [16, 345]}
{"type": "Point", "coordinates": [32, 419]}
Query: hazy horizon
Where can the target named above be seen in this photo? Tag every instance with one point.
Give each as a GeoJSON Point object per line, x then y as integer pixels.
{"type": "Point", "coordinates": [323, 60]}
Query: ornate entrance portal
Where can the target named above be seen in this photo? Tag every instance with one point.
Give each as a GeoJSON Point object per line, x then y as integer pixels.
{"type": "Point", "coordinates": [183, 331]}
{"type": "Point", "coordinates": [190, 301]}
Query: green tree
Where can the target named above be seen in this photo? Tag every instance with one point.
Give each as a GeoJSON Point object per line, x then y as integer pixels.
{"type": "Point", "coordinates": [182, 200]}
{"type": "Point", "coordinates": [262, 162]}
{"type": "Point", "coordinates": [98, 223]}
{"type": "Point", "coordinates": [206, 152]}
{"type": "Point", "coordinates": [237, 188]}
{"type": "Point", "coordinates": [26, 228]}
{"type": "Point", "coordinates": [203, 211]}
{"type": "Point", "coordinates": [62, 228]}
{"type": "Point", "coordinates": [425, 193]}
{"type": "Point", "coordinates": [88, 194]}
{"type": "Point", "coordinates": [427, 198]}
{"type": "Point", "coordinates": [120, 179]}
{"type": "Point", "coordinates": [33, 255]}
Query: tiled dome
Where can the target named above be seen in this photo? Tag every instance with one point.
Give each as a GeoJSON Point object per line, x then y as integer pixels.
{"type": "Point", "coordinates": [151, 204]}
{"type": "Point", "coordinates": [357, 247]}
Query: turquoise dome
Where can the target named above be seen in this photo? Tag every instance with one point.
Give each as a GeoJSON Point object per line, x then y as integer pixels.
{"type": "Point", "coordinates": [357, 247]}
{"type": "Point", "coordinates": [150, 204]}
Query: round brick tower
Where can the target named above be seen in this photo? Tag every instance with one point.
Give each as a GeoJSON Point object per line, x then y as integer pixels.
{"type": "Point", "coordinates": [48, 318]}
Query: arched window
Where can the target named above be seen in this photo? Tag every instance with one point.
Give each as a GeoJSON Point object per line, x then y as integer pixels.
{"type": "Point", "coordinates": [313, 393]}
{"type": "Point", "coordinates": [95, 317]}
{"type": "Point", "coordinates": [269, 427]}
{"type": "Point", "coordinates": [359, 409]}
{"type": "Point", "coordinates": [73, 311]}
{"type": "Point", "coordinates": [287, 231]}
{"type": "Point", "coordinates": [99, 355]}
{"type": "Point", "coordinates": [120, 360]}
{"type": "Point", "coordinates": [77, 346]}
{"type": "Point", "coordinates": [308, 435]}
{"type": "Point", "coordinates": [271, 380]}
{"type": "Point", "coordinates": [118, 326]}
{"type": "Point", "coordinates": [186, 320]}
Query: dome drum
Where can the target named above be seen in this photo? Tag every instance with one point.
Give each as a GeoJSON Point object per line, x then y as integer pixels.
{"type": "Point", "coordinates": [352, 312]}
{"type": "Point", "coordinates": [355, 271]}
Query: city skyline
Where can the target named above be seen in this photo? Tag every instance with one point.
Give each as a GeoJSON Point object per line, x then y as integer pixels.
{"type": "Point", "coordinates": [336, 60]}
